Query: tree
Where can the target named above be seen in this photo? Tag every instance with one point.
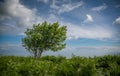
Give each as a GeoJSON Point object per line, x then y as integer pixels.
{"type": "Point", "coordinates": [43, 37]}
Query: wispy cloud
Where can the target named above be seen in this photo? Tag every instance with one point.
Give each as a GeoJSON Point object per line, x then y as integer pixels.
{"type": "Point", "coordinates": [52, 18]}
{"type": "Point", "coordinates": [89, 18]}
{"type": "Point", "coordinates": [99, 8]}
{"type": "Point", "coordinates": [17, 49]}
{"type": "Point", "coordinates": [53, 5]}
{"type": "Point", "coordinates": [44, 1]}
{"type": "Point", "coordinates": [13, 49]}
{"type": "Point", "coordinates": [65, 7]}
{"type": "Point", "coordinates": [117, 21]}
{"type": "Point", "coordinates": [86, 51]}
{"type": "Point", "coordinates": [76, 32]}
{"type": "Point", "coordinates": [117, 6]}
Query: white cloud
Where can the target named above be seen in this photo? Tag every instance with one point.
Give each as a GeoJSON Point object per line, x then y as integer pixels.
{"type": "Point", "coordinates": [69, 7]}
{"type": "Point", "coordinates": [99, 8]}
{"type": "Point", "coordinates": [117, 21]}
{"type": "Point", "coordinates": [18, 12]}
{"type": "Point", "coordinates": [52, 18]}
{"type": "Point", "coordinates": [44, 1]}
{"type": "Point", "coordinates": [13, 49]}
{"type": "Point", "coordinates": [53, 5]}
{"type": "Point", "coordinates": [117, 6]}
{"type": "Point", "coordinates": [8, 29]}
{"type": "Point", "coordinates": [17, 16]}
{"type": "Point", "coordinates": [76, 32]}
{"type": "Point", "coordinates": [65, 7]}
{"type": "Point", "coordinates": [86, 51]}
{"type": "Point", "coordinates": [89, 18]}
{"type": "Point", "coordinates": [21, 16]}
{"type": "Point", "coordinates": [18, 50]}
{"type": "Point", "coordinates": [91, 50]}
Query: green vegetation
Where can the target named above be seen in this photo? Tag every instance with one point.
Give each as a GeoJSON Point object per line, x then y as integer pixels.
{"type": "Point", "coordinates": [60, 66]}
{"type": "Point", "coordinates": [43, 37]}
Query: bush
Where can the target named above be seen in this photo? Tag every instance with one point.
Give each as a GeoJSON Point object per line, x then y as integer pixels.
{"type": "Point", "coordinates": [60, 66]}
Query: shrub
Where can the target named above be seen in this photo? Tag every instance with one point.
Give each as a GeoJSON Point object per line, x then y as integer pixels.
{"type": "Point", "coordinates": [59, 66]}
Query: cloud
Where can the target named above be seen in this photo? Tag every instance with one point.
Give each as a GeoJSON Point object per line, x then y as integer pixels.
{"type": "Point", "coordinates": [89, 19]}
{"type": "Point", "coordinates": [17, 12]}
{"type": "Point", "coordinates": [99, 8]}
{"type": "Point", "coordinates": [92, 50]}
{"type": "Point", "coordinates": [86, 51]}
{"type": "Point", "coordinates": [53, 5]}
{"type": "Point", "coordinates": [98, 32]}
{"type": "Point", "coordinates": [16, 16]}
{"type": "Point", "coordinates": [69, 7]}
{"type": "Point", "coordinates": [8, 29]}
{"type": "Point", "coordinates": [13, 49]}
{"type": "Point", "coordinates": [117, 21]}
{"type": "Point", "coordinates": [117, 6]}
{"type": "Point", "coordinates": [18, 50]}
{"type": "Point", "coordinates": [52, 18]}
{"type": "Point", "coordinates": [65, 7]}
{"type": "Point", "coordinates": [76, 31]}
{"type": "Point", "coordinates": [44, 1]}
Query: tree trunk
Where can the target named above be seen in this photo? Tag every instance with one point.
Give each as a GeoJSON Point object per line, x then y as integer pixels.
{"type": "Point", "coordinates": [40, 53]}
{"type": "Point", "coordinates": [35, 55]}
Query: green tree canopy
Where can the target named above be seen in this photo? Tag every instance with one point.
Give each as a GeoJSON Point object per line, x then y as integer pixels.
{"type": "Point", "coordinates": [43, 37]}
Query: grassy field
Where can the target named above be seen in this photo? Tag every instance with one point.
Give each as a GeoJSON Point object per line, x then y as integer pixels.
{"type": "Point", "coordinates": [60, 66]}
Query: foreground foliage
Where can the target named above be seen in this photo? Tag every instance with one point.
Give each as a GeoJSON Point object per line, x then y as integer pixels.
{"type": "Point", "coordinates": [60, 66]}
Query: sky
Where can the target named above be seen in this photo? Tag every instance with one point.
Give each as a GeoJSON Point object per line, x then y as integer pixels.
{"type": "Point", "coordinates": [93, 26]}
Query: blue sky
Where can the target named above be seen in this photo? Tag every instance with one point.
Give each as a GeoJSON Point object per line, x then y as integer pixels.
{"type": "Point", "coordinates": [90, 23]}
